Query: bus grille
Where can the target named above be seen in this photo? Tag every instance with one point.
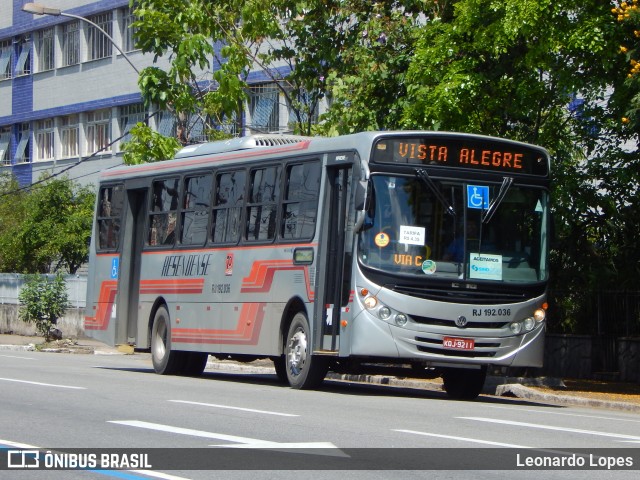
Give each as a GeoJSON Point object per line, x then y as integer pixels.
{"type": "Point", "coordinates": [450, 323]}
{"type": "Point", "coordinates": [466, 296]}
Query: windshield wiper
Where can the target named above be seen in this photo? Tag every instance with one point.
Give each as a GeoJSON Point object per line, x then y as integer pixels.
{"type": "Point", "coordinates": [504, 188]}
{"type": "Point", "coordinates": [422, 174]}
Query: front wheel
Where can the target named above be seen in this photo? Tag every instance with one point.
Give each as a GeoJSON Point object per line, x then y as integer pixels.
{"type": "Point", "coordinates": [165, 361]}
{"type": "Point", "coordinates": [304, 370]}
{"type": "Point", "coordinates": [464, 384]}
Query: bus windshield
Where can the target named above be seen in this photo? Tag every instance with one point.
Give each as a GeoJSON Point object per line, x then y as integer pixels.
{"type": "Point", "coordinates": [451, 229]}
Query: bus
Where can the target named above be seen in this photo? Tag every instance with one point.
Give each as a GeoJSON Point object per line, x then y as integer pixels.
{"type": "Point", "coordinates": [413, 253]}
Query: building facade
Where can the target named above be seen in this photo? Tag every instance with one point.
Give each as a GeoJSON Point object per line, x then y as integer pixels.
{"type": "Point", "coordinates": [68, 96]}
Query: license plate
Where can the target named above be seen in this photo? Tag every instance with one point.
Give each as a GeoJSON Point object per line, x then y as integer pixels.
{"type": "Point", "coordinates": [455, 343]}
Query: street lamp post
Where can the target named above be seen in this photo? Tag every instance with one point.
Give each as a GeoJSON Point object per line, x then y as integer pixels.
{"type": "Point", "coordinates": [37, 9]}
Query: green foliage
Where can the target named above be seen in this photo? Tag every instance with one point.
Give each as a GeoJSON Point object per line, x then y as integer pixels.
{"type": "Point", "coordinates": [147, 145]}
{"type": "Point", "coordinates": [49, 227]}
{"type": "Point", "coordinates": [43, 302]}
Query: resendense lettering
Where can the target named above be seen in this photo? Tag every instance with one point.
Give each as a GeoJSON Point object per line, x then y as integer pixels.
{"type": "Point", "coordinates": [195, 265]}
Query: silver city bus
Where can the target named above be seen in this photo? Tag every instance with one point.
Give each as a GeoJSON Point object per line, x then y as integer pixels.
{"type": "Point", "coordinates": [420, 252]}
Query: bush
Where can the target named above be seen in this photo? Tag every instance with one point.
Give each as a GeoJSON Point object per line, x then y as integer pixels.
{"type": "Point", "coordinates": [43, 302]}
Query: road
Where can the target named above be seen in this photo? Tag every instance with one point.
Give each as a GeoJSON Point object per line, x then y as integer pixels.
{"type": "Point", "coordinates": [52, 401]}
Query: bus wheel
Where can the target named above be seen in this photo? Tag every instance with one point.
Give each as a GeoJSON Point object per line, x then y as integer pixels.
{"type": "Point", "coordinates": [165, 361]}
{"type": "Point", "coordinates": [194, 364]}
{"type": "Point", "coordinates": [464, 384]}
{"type": "Point", "coordinates": [280, 364]}
{"type": "Point", "coordinates": [304, 370]}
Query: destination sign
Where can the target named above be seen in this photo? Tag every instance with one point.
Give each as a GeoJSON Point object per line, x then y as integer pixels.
{"type": "Point", "coordinates": [471, 153]}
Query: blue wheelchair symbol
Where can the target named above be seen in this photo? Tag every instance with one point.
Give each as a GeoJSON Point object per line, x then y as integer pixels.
{"type": "Point", "coordinates": [115, 265]}
{"type": "Point", "coordinates": [477, 196]}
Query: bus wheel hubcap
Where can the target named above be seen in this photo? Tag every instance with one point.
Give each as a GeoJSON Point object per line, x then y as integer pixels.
{"type": "Point", "coordinates": [297, 352]}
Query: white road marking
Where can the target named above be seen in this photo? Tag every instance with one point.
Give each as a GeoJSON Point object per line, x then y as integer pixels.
{"type": "Point", "coordinates": [554, 428]}
{"type": "Point", "coordinates": [463, 439]}
{"type": "Point", "coordinates": [266, 412]}
{"type": "Point", "coordinates": [16, 356]}
{"type": "Point", "coordinates": [548, 412]}
{"type": "Point", "coordinates": [41, 384]}
{"type": "Point", "coordinates": [148, 473]}
{"type": "Point", "coordinates": [245, 441]}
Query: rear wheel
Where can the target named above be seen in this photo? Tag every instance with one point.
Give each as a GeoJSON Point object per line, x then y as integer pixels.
{"type": "Point", "coordinates": [464, 384]}
{"type": "Point", "coordinates": [165, 361]}
{"type": "Point", "coordinates": [303, 370]}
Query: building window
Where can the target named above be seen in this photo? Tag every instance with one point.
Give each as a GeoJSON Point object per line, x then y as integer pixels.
{"type": "Point", "coordinates": [6, 55]}
{"type": "Point", "coordinates": [44, 139]}
{"type": "Point", "coordinates": [264, 108]}
{"type": "Point", "coordinates": [69, 138]}
{"type": "Point", "coordinates": [23, 65]}
{"type": "Point", "coordinates": [99, 45]}
{"type": "Point", "coordinates": [129, 116]}
{"type": "Point", "coordinates": [71, 44]}
{"type": "Point", "coordinates": [23, 151]}
{"type": "Point", "coordinates": [128, 31]}
{"type": "Point", "coordinates": [45, 50]}
{"type": "Point", "coordinates": [5, 145]}
{"type": "Point", "coordinates": [99, 131]}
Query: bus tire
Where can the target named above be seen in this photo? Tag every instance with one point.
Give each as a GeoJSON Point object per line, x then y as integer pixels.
{"type": "Point", "coordinates": [165, 360]}
{"type": "Point", "coordinates": [195, 363]}
{"type": "Point", "coordinates": [303, 370]}
{"type": "Point", "coordinates": [280, 364]}
{"type": "Point", "coordinates": [464, 384]}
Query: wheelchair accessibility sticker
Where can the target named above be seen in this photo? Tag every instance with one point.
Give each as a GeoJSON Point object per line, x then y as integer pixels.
{"type": "Point", "coordinates": [477, 196]}
{"type": "Point", "coordinates": [115, 263]}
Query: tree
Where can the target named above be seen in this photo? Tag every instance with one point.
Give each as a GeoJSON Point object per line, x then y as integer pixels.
{"type": "Point", "coordinates": [43, 302]}
{"type": "Point", "coordinates": [53, 230]}
{"type": "Point", "coordinates": [12, 211]}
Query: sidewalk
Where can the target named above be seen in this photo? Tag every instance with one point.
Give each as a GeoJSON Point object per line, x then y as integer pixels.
{"type": "Point", "coordinates": [586, 393]}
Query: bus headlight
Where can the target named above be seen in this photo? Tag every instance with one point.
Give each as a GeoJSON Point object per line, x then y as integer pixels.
{"type": "Point", "coordinates": [370, 302]}
{"type": "Point", "coordinates": [384, 312]}
{"type": "Point", "coordinates": [539, 315]}
{"type": "Point", "coordinates": [529, 324]}
{"type": "Point", "coordinates": [516, 327]}
{"type": "Point", "coordinates": [401, 319]}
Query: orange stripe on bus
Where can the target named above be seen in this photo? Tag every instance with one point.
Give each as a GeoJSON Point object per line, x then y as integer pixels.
{"type": "Point", "coordinates": [107, 296]}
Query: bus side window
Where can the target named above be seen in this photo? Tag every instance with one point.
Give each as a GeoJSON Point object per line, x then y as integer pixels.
{"type": "Point", "coordinates": [195, 209]}
{"type": "Point", "coordinates": [163, 216]}
{"type": "Point", "coordinates": [300, 202]}
{"type": "Point", "coordinates": [227, 207]}
{"type": "Point", "coordinates": [109, 216]}
{"type": "Point", "coordinates": [262, 205]}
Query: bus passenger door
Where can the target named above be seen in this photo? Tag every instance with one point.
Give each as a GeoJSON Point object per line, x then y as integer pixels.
{"type": "Point", "coordinates": [334, 255]}
{"type": "Point", "coordinates": [129, 275]}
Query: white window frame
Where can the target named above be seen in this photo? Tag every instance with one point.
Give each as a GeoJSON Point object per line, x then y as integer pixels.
{"type": "Point", "coordinates": [98, 45]}
{"type": "Point", "coordinates": [5, 145]}
{"type": "Point", "coordinates": [71, 43]}
{"type": "Point", "coordinates": [45, 139]}
{"type": "Point", "coordinates": [6, 57]}
{"type": "Point", "coordinates": [22, 150]}
{"type": "Point", "coordinates": [98, 131]}
{"type": "Point", "coordinates": [23, 65]}
{"type": "Point", "coordinates": [45, 50]}
{"type": "Point", "coordinates": [70, 136]}
{"type": "Point", "coordinates": [128, 32]}
{"type": "Point", "coordinates": [129, 115]}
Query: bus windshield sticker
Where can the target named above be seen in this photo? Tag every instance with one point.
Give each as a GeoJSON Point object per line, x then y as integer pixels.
{"type": "Point", "coordinates": [485, 266]}
{"type": "Point", "coordinates": [382, 239]}
{"type": "Point", "coordinates": [477, 196]}
{"type": "Point", "coordinates": [429, 267]}
{"type": "Point", "coordinates": [410, 235]}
